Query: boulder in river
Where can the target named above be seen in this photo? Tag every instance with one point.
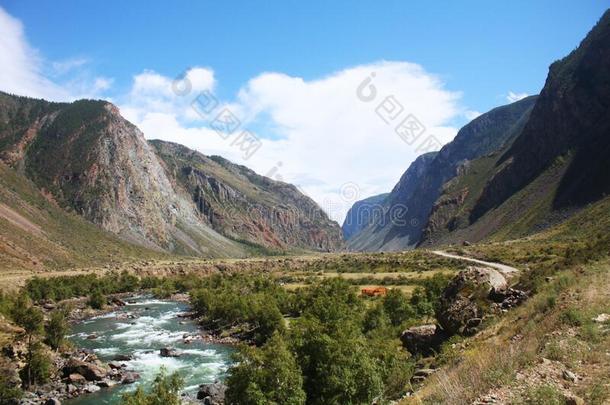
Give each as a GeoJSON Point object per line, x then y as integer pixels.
{"type": "Point", "coordinates": [130, 378]}
{"type": "Point", "coordinates": [169, 352]}
{"type": "Point", "coordinates": [122, 357]}
{"type": "Point", "coordinates": [467, 298]}
{"type": "Point", "coordinates": [90, 371]}
{"type": "Point", "coordinates": [212, 394]}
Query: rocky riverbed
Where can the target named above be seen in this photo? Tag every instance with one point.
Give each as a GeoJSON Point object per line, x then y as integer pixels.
{"type": "Point", "coordinates": [127, 345]}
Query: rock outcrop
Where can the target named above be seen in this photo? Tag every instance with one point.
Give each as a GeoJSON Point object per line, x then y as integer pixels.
{"type": "Point", "coordinates": [465, 301]}
{"type": "Point", "coordinates": [424, 339]}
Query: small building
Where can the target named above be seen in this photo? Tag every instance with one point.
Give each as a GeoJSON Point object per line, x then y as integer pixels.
{"type": "Point", "coordinates": [374, 291]}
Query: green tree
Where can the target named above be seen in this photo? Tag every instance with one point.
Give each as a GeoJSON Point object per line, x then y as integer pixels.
{"type": "Point", "coordinates": [269, 375]}
{"type": "Point", "coordinates": [336, 362]}
{"type": "Point", "coordinates": [31, 320]}
{"type": "Point", "coordinates": [56, 329]}
{"type": "Point", "coordinates": [375, 319]}
{"type": "Point", "coordinates": [267, 319]}
{"type": "Point", "coordinates": [397, 306]}
{"type": "Point", "coordinates": [165, 391]}
{"type": "Point", "coordinates": [37, 369]}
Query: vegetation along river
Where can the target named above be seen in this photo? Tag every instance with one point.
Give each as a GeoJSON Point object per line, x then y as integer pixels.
{"type": "Point", "coordinates": [140, 329]}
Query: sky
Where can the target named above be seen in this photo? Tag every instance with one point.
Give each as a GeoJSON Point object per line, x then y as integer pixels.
{"type": "Point", "coordinates": [336, 97]}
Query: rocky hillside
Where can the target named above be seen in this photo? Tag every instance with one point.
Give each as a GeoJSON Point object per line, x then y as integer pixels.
{"type": "Point", "coordinates": [361, 214]}
{"type": "Point", "coordinates": [411, 201]}
{"type": "Point", "coordinates": [243, 205]}
{"type": "Point", "coordinates": [89, 160]}
{"type": "Point", "coordinates": [38, 235]}
{"type": "Point", "coordinates": [557, 164]}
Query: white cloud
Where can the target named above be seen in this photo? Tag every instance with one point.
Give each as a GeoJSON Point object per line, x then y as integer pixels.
{"type": "Point", "coordinates": [511, 97]}
{"type": "Point", "coordinates": [321, 135]}
{"type": "Point", "coordinates": [153, 93]}
{"type": "Point", "coordinates": [317, 134]}
{"type": "Point", "coordinates": [22, 70]}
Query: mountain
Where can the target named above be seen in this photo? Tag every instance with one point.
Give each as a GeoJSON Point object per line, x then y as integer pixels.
{"type": "Point", "coordinates": [413, 198]}
{"type": "Point", "coordinates": [361, 214]}
{"type": "Point", "coordinates": [36, 234]}
{"type": "Point", "coordinates": [243, 205]}
{"type": "Point", "coordinates": [89, 160]}
{"type": "Point", "coordinates": [558, 164]}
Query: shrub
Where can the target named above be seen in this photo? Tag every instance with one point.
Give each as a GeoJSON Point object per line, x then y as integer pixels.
{"type": "Point", "coordinates": [572, 317]}
{"type": "Point", "coordinates": [9, 393]}
{"type": "Point", "coordinates": [545, 394]}
{"type": "Point", "coordinates": [165, 391]}
{"type": "Point", "coordinates": [56, 329]}
{"type": "Point", "coordinates": [97, 300]}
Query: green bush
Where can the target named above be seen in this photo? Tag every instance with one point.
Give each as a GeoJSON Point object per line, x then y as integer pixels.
{"type": "Point", "coordinates": [545, 394]}
{"type": "Point", "coordinates": [397, 306]}
{"type": "Point", "coordinates": [572, 317]}
{"type": "Point", "coordinates": [165, 391]}
{"type": "Point", "coordinates": [56, 329]}
{"type": "Point", "coordinates": [269, 375]}
{"type": "Point", "coordinates": [97, 300]}
{"type": "Point", "coordinates": [37, 369]}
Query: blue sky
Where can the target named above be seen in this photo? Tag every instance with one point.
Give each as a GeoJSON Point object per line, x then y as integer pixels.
{"type": "Point", "coordinates": [481, 50]}
{"type": "Point", "coordinates": [474, 52]}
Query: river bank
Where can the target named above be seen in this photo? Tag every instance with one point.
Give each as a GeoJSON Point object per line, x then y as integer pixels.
{"type": "Point", "coordinates": [126, 345]}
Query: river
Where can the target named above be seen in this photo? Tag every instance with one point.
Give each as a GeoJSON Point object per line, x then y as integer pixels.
{"type": "Point", "coordinates": [140, 329]}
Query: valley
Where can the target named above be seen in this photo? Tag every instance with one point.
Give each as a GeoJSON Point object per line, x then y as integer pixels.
{"type": "Point", "coordinates": [135, 270]}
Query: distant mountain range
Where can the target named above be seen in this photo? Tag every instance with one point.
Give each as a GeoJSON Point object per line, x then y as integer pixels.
{"type": "Point", "coordinates": [84, 158]}
{"type": "Point", "coordinates": [82, 186]}
{"type": "Point", "coordinates": [512, 171]}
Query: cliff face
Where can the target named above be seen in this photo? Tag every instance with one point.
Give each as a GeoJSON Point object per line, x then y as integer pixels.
{"type": "Point", "coordinates": [241, 204]}
{"type": "Point", "coordinates": [422, 184]}
{"type": "Point", "coordinates": [362, 214]}
{"type": "Point", "coordinates": [377, 235]}
{"type": "Point", "coordinates": [572, 116]}
{"type": "Point", "coordinates": [558, 163]}
{"type": "Point", "coordinates": [95, 163]}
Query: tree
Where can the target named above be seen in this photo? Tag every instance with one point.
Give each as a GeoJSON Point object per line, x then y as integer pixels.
{"type": "Point", "coordinates": [375, 319]}
{"type": "Point", "coordinates": [31, 320]}
{"type": "Point", "coordinates": [37, 370]}
{"type": "Point", "coordinates": [337, 364]}
{"type": "Point", "coordinates": [397, 306]}
{"type": "Point", "coordinates": [269, 375]}
{"type": "Point", "coordinates": [267, 318]}
{"type": "Point", "coordinates": [56, 329]}
{"type": "Point", "coordinates": [165, 391]}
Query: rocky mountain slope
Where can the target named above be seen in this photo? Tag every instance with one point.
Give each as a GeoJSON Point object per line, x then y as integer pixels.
{"type": "Point", "coordinates": [361, 214]}
{"type": "Point", "coordinates": [88, 159]}
{"type": "Point", "coordinates": [243, 205]}
{"type": "Point", "coordinates": [37, 235]}
{"type": "Point", "coordinates": [412, 199]}
{"type": "Point", "coordinates": [557, 164]}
